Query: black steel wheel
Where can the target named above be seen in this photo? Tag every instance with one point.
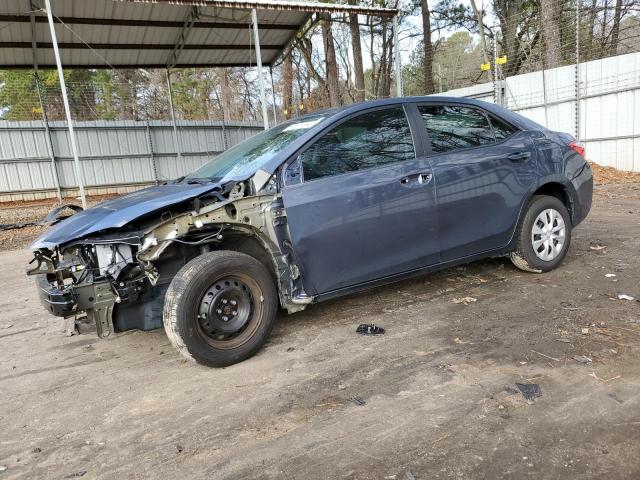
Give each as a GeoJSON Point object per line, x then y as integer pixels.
{"type": "Point", "coordinates": [220, 308]}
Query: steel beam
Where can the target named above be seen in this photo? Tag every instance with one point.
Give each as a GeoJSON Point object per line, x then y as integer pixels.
{"type": "Point", "coordinates": [67, 109]}
{"type": "Point", "coordinates": [137, 46]}
{"type": "Point", "coordinates": [173, 116]}
{"type": "Point", "coordinates": [256, 38]}
{"type": "Point", "coordinates": [121, 22]}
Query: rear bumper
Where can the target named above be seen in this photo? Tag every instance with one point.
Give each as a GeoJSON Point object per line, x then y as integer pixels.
{"type": "Point", "coordinates": [583, 184]}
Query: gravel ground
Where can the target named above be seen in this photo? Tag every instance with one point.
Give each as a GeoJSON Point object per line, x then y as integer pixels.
{"type": "Point", "coordinates": [438, 388]}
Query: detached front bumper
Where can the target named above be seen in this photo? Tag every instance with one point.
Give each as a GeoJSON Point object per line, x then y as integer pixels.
{"type": "Point", "coordinates": [96, 299]}
{"type": "Point", "coordinates": [59, 302]}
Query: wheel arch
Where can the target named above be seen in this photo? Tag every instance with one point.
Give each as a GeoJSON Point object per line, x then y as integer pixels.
{"type": "Point", "coordinates": [558, 190]}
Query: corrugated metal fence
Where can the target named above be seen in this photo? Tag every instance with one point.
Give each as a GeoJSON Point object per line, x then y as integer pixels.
{"type": "Point", "coordinates": [116, 156]}
{"type": "Point", "coordinates": [604, 112]}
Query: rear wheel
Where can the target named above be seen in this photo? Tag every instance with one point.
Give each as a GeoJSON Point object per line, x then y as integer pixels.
{"type": "Point", "coordinates": [220, 308]}
{"type": "Point", "coordinates": [543, 236]}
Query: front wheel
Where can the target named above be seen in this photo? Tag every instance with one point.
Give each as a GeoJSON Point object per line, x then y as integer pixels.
{"type": "Point", "coordinates": [220, 308]}
{"type": "Point", "coordinates": [543, 236]}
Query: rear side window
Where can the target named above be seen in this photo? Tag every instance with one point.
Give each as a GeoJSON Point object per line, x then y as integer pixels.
{"type": "Point", "coordinates": [368, 140]}
{"type": "Point", "coordinates": [501, 129]}
{"type": "Point", "coordinates": [454, 127]}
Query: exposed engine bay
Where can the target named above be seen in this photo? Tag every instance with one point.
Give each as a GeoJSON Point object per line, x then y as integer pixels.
{"type": "Point", "coordinates": [119, 276]}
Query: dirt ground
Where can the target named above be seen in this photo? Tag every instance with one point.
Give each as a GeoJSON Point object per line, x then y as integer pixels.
{"type": "Point", "coordinates": [438, 386]}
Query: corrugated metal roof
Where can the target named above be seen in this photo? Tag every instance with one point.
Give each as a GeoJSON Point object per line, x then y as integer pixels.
{"type": "Point", "coordinates": [145, 33]}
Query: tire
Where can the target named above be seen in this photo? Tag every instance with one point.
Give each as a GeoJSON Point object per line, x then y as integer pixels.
{"type": "Point", "coordinates": [202, 295]}
{"type": "Point", "coordinates": [541, 253]}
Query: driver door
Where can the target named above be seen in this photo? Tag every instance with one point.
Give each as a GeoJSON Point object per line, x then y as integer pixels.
{"type": "Point", "coordinates": [364, 206]}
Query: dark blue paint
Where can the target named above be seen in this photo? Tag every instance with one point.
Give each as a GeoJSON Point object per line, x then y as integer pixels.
{"type": "Point", "coordinates": [368, 224]}
{"type": "Point", "coordinates": [480, 193]}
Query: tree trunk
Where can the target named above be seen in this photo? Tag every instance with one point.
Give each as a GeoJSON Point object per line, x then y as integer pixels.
{"type": "Point", "coordinates": [356, 47]}
{"type": "Point", "coordinates": [615, 29]}
{"type": "Point", "coordinates": [330, 61]}
{"type": "Point", "coordinates": [287, 93]}
{"type": "Point", "coordinates": [592, 24]}
{"type": "Point", "coordinates": [483, 39]}
{"type": "Point", "coordinates": [551, 32]}
{"type": "Point", "coordinates": [226, 95]}
{"type": "Point", "coordinates": [428, 48]}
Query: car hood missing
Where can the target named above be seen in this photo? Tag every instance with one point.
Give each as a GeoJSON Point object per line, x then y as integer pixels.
{"type": "Point", "coordinates": [119, 211]}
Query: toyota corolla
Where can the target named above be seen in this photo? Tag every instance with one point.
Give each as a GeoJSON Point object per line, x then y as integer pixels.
{"type": "Point", "coordinates": [312, 209]}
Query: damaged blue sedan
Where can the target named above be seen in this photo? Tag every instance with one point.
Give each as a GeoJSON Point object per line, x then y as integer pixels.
{"type": "Point", "coordinates": [316, 208]}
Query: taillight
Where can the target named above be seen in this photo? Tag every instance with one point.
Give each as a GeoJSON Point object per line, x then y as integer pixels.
{"type": "Point", "coordinates": [577, 147]}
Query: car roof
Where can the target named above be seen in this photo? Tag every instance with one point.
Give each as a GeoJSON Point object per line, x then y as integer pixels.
{"type": "Point", "coordinates": [512, 117]}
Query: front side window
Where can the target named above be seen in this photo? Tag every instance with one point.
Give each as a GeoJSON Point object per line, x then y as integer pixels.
{"type": "Point", "coordinates": [369, 140]}
{"type": "Point", "coordinates": [452, 127]}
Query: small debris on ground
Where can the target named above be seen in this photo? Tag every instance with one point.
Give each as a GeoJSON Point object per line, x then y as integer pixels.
{"type": "Point", "coordinates": [582, 359]}
{"type": "Point", "coordinates": [358, 400]}
{"type": "Point", "coordinates": [460, 341]}
{"type": "Point", "coordinates": [622, 296]}
{"type": "Point", "coordinates": [610, 275]}
{"type": "Point", "coordinates": [529, 390]}
{"type": "Point", "coordinates": [585, 331]}
{"type": "Point", "coordinates": [597, 246]}
{"type": "Point", "coordinates": [290, 349]}
{"type": "Point", "coordinates": [3, 468]}
{"type": "Point", "coordinates": [408, 475]}
{"type": "Point", "coordinates": [563, 340]}
{"type": "Point", "coordinates": [179, 448]}
{"type": "Point", "coordinates": [511, 390]}
{"type": "Point", "coordinates": [465, 300]}
{"type": "Point", "coordinates": [369, 329]}
{"type": "Point", "coordinates": [81, 473]}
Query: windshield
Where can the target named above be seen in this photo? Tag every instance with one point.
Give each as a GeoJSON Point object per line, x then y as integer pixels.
{"type": "Point", "coordinates": [245, 158]}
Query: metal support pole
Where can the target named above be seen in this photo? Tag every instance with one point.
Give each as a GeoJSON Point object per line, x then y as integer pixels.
{"type": "Point", "coordinates": [47, 132]}
{"type": "Point", "coordinates": [544, 98]}
{"type": "Point", "coordinates": [154, 164]}
{"type": "Point", "coordinates": [578, 71]}
{"type": "Point", "coordinates": [396, 47]}
{"type": "Point", "coordinates": [67, 110]}
{"type": "Point", "coordinates": [273, 96]}
{"type": "Point", "coordinates": [256, 38]}
{"type": "Point", "coordinates": [499, 100]}
{"type": "Point", "coordinates": [43, 110]}
{"type": "Point", "coordinates": [173, 116]}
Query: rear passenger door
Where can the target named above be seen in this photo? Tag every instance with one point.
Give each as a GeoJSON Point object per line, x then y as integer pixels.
{"type": "Point", "coordinates": [483, 168]}
{"type": "Point", "coordinates": [365, 206]}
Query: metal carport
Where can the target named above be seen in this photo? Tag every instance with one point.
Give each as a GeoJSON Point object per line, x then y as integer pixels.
{"type": "Point", "coordinates": [156, 34]}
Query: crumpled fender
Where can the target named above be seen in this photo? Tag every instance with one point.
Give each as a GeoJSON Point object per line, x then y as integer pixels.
{"type": "Point", "coordinates": [118, 212]}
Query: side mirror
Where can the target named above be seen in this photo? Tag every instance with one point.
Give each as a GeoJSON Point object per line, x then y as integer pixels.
{"type": "Point", "coordinates": [293, 172]}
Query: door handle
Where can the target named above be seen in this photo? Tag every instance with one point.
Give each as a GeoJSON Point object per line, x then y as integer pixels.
{"type": "Point", "coordinates": [420, 178]}
{"type": "Point", "coordinates": [519, 156]}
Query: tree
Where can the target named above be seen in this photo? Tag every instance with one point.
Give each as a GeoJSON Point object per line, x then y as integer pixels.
{"type": "Point", "coordinates": [331, 64]}
{"type": "Point", "coordinates": [428, 47]}
{"type": "Point", "coordinates": [550, 12]}
{"type": "Point", "coordinates": [356, 48]}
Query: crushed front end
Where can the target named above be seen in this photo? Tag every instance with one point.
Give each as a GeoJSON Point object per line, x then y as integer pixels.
{"type": "Point", "coordinates": [91, 278]}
